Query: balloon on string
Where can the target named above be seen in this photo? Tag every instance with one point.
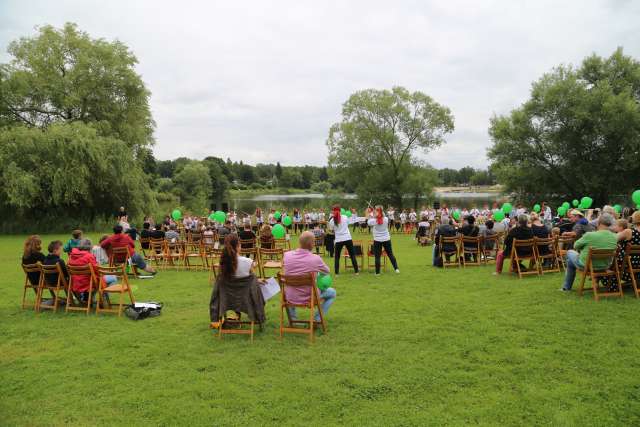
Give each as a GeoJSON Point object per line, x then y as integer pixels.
{"type": "Point", "coordinates": [575, 203]}
{"type": "Point", "coordinates": [324, 281]}
{"type": "Point", "coordinates": [176, 214]}
{"type": "Point", "coordinates": [566, 206]}
{"type": "Point", "coordinates": [536, 208]}
{"type": "Point", "coordinates": [498, 216]}
{"type": "Point", "coordinates": [212, 216]}
{"type": "Point", "coordinates": [507, 208]}
{"type": "Point", "coordinates": [636, 197]}
{"type": "Point", "coordinates": [277, 215]}
{"type": "Point", "coordinates": [456, 215]}
{"type": "Point", "coordinates": [278, 231]}
{"type": "Point", "coordinates": [562, 210]}
{"type": "Point", "coordinates": [287, 221]}
{"type": "Point", "coordinates": [219, 216]}
{"type": "Point", "coordinates": [586, 202]}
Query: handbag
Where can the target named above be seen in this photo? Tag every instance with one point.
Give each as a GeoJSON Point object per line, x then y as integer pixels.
{"type": "Point", "coordinates": [142, 310]}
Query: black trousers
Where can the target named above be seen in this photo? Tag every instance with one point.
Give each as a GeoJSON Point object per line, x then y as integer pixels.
{"type": "Point", "coordinates": [338, 253]}
{"type": "Point", "coordinates": [377, 253]}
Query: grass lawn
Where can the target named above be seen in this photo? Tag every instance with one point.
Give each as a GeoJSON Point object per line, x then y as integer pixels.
{"type": "Point", "coordinates": [423, 347]}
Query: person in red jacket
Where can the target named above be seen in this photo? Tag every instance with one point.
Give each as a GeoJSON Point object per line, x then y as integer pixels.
{"type": "Point", "coordinates": [79, 257]}
{"type": "Point", "coordinates": [121, 240]}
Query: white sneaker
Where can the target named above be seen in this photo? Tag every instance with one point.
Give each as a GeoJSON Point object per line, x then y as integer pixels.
{"type": "Point", "coordinates": [397, 270]}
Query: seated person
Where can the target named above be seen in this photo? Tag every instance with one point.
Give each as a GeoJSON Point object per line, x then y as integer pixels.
{"type": "Point", "coordinates": [470, 229]}
{"type": "Point", "coordinates": [266, 238]}
{"type": "Point", "coordinates": [53, 258]}
{"type": "Point", "coordinates": [145, 235]}
{"type": "Point", "coordinates": [602, 238]}
{"type": "Point", "coordinates": [99, 253]}
{"type": "Point", "coordinates": [522, 231]}
{"type": "Point", "coordinates": [487, 235]}
{"type": "Point", "coordinates": [580, 225]}
{"type": "Point", "coordinates": [236, 289]}
{"type": "Point", "coordinates": [80, 256]}
{"type": "Point", "coordinates": [120, 240]}
{"type": "Point", "coordinates": [301, 261]}
{"type": "Point", "coordinates": [247, 234]}
{"type": "Point", "coordinates": [446, 229]}
{"type": "Point", "coordinates": [540, 231]}
{"type": "Point", "coordinates": [132, 232]}
{"type": "Point", "coordinates": [223, 231]}
{"type": "Point", "coordinates": [423, 230]}
{"type": "Point", "coordinates": [207, 235]}
{"type": "Point", "coordinates": [76, 237]}
{"type": "Point", "coordinates": [172, 235]}
{"type": "Point", "coordinates": [32, 254]}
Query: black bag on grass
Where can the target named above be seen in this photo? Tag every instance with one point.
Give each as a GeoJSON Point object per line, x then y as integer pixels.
{"type": "Point", "coordinates": [142, 310]}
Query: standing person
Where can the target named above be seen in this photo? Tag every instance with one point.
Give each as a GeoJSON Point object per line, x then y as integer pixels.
{"type": "Point", "coordinates": [391, 215]}
{"type": "Point", "coordinates": [342, 238]}
{"type": "Point", "coordinates": [259, 219]}
{"type": "Point", "coordinates": [381, 238]}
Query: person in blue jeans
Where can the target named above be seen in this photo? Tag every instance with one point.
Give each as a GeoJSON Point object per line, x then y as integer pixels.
{"type": "Point", "coordinates": [602, 238]}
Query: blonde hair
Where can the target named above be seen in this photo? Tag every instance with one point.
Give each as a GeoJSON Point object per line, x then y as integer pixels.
{"type": "Point", "coordinates": [635, 218]}
{"type": "Point", "coordinates": [533, 216]}
{"type": "Point", "coordinates": [622, 224]}
{"type": "Point", "coordinates": [555, 231]}
{"type": "Point", "coordinates": [266, 229]}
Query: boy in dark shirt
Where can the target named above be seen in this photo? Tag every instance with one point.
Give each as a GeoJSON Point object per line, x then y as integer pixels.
{"type": "Point", "coordinates": [53, 258]}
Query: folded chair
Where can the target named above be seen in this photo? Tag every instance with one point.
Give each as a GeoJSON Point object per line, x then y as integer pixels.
{"type": "Point", "coordinates": [358, 250]}
{"type": "Point", "coordinates": [312, 304]}
{"type": "Point", "coordinates": [471, 249]}
{"type": "Point", "coordinates": [632, 252]}
{"type": "Point", "coordinates": [523, 250]}
{"type": "Point", "coordinates": [545, 249]}
{"type": "Point", "coordinates": [270, 259]}
{"type": "Point", "coordinates": [451, 256]}
{"type": "Point", "coordinates": [121, 288]}
{"type": "Point", "coordinates": [31, 269]}
{"type": "Point", "coordinates": [52, 280]}
{"type": "Point", "coordinates": [74, 273]}
{"type": "Point", "coordinates": [608, 255]}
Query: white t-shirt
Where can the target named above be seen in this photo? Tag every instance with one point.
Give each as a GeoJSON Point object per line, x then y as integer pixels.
{"type": "Point", "coordinates": [380, 231]}
{"type": "Point", "coordinates": [341, 230]}
{"type": "Point", "coordinates": [244, 267]}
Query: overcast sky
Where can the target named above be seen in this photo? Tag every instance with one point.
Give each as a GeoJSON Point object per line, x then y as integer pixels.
{"type": "Point", "coordinates": [262, 81]}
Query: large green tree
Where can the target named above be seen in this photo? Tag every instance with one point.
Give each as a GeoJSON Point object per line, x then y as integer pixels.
{"type": "Point", "coordinates": [63, 75]}
{"type": "Point", "coordinates": [193, 185]}
{"type": "Point", "coordinates": [578, 134]}
{"type": "Point", "coordinates": [372, 149]}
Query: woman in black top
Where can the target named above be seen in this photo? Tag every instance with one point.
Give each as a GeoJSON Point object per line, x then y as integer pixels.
{"type": "Point", "coordinates": [520, 232]}
{"type": "Point", "coordinates": [32, 254]}
{"type": "Point", "coordinates": [540, 231]}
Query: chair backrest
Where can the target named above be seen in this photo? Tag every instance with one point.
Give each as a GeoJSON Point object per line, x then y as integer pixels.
{"type": "Point", "coordinates": [248, 251]}
{"type": "Point", "coordinates": [608, 255]}
{"type": "Point", "coordinates": [81, 270]}
{"type": "Point", "coordinates": [118, 271]}
{"type": "Point", "coordinates": [490, 242]}
{"type": "Point", "coordinates": [298, 281]}
{"type": "Point", "coordinates": [272, 254]}
{"type": "Point", "coordinates": [52, 275]}
{"type": "Point", "coordinates": [195, 236]}
{"type": "Point", "coordinates": [544, 242]}
{"type": "Point", "coordinates": [565, 242]}
{"type": "Point", "coordinates": [119, 255]}
{"type": "Point", "coordinates": [30, 270]}
{"type": "Point", "coordinates": [193, 248]}
{"type": "Point", "coordinates": [523, 247]}
{"type": "Point", "coordinates": [471, 242]}
{"type": "Point", "coordinates": [449, 243]}
{"type": "Point", "coordinates": [157, 245]}
{"type": "Point", "coordinates": [247, 243]}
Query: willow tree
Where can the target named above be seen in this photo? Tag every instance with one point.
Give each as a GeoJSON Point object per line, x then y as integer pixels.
{"type": "Point", "coordinates": [373, 148]}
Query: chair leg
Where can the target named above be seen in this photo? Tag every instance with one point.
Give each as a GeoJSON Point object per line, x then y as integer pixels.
{"type": "Point", "coordinates": [582, 280]}
{"type": "Point", "coordinates": [311, 325]}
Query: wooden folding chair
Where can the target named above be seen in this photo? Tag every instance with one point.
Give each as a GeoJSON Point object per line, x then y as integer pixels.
{"type": "Point", "coordinates": [31, 269]}
{"type": "Point", "coordinates": [212, 259]}
{"type": "Point", "coordinates": [284, 244]}
{"type": "Point", "coordinates": [631, 252]}
{"type": "Point", "coordinates": [270, 259]}
{"type": "Point", "coordinates": [563, 244]}
{"type": "Point", "coordinates": [53, 280]}
{"type": "Point", "coordinates": [236, 326]}
{"type": "Point", "coordinates": [312, 304]}
{"type": "Point", "coordinates": [371, 258]}
{"type": "Point", "coordinates": [195, 237]}
{"type": "Point", "coordinates": [194, 256]}
{"type": "Point", "coordinates": [156, 252]}
{"type": "Point", "coordinates": [550, 254]}
{"type": "Point", "coordinates": [447, 255]}
{"type": "Point", "coordinates": [74, 273]}
{"type": "Point", "coordinates": [247, 243]}
{"type": "Point", "coordinates": [490, 248]}
{"type": "Point", "coordinates": [174, 254]}
{"type": "Point", "coordinates": [471, 249]}
{"type": "Point", "coordinates": [358, 251]}
{"type": "Point", "coordinates": [595, 275]}
{"type": "Point", "coordinates": [120, 288]}
{"type": "Point", "coordinates": [523, 250]}
{"type": "Point", "coordinates": [145, 241]}
{"type": "Point", "coordinates": [121, 256]}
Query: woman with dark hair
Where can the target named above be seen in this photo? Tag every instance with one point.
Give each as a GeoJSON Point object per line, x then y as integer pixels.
{"type": "Point", "coordinates": [381, 237]}
{"type": "Point", "coordinates": [340, 227]}
{"type": "Point", "coordinates": [232, 265]}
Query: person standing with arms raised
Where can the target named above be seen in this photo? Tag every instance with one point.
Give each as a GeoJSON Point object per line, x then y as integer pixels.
{"type": "Point", "coordinates": [340, 226]}
{"type": "Point", "coordinates": [381, 238]}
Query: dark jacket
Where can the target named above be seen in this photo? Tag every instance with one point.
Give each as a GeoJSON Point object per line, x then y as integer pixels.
{"type": "Point", "coordinates": [519, 233]}
{"type": "Point", "coordinates": [469, 230]}
{"type": "Point", "coordinates": [243, 295]}
{"type": "Point", "coordinates": [541, 232]}
{"type": "Point", "coordinates": [34, 278]}
{"type": "Point", "coordinates": [446, 230]}
{"type": "Point", "coordinates": [52, 259]}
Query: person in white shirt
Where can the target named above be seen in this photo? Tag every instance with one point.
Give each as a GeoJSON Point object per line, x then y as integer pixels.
{"type": "Point", "coordinates": [340, 227]}
{"type": "Point", "coordinates": [391, 214]}
{"type": "Point", "coordinates": [381, 238]}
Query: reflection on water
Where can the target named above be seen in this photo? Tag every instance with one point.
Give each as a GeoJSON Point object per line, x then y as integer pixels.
{"type": "Point", "coordinates": [317, 200]}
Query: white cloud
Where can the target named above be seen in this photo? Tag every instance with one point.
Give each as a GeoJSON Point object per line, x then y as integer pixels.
{"type": "Point", "coordinates": [263, 81]}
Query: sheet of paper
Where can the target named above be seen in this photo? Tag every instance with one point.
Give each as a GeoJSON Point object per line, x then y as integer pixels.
{"type": "Point", "coordinates": [270, 288]}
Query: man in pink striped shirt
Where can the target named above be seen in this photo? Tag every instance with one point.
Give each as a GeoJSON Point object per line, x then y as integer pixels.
{"type": "Point", "coordinates": [303, 261]}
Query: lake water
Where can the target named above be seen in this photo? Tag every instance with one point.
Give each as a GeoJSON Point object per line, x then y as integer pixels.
{"type": "Point", "coordinates": [317, 200]}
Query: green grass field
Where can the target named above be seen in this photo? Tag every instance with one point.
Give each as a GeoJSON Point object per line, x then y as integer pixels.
{"type": "Point", "coordinates": [425, 347]}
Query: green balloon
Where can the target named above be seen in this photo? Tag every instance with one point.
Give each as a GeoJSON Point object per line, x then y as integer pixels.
{"type": "Point", "coordinates": [277, 215]}
{"type": "Point", "coordinates": [636, 197]}
{"type": "Point", "coordinates": [456, 215]}
{"type": "Point", "coordinates": [617, 208]}
{"type": "Point", "coordinates": [343, 211]}
{"type": "Point", "coordinates": [219, 216]}
{"type": "Point", "coordinates": [586, 202]}
{"type": "Point", "coordinates": [176, 214]}
{"type": "Point", "coordinates": [536, 208]}
{"type": "Point", "coordinates": [562, 210]}
{"type": "Point", "coordinates": [278, 231]}
{"type": "Point", "coordinates": [212, 216]}
{"type": "Point", "coordinates": [348, 214]}
{"type": "Point", "coordinates": [324, 281]}
{"type": "Point", "coordinates": [575, 203]}
{"type": "Point", "coordinates": [498, 216]}
{"type": "Point", "coordinates": [507, 208]}
{"type": "Point", "coordinates": [566, 205]}
{"type": "Point", "coordinates": [287, 221]}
